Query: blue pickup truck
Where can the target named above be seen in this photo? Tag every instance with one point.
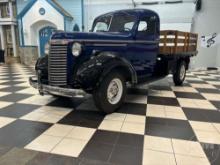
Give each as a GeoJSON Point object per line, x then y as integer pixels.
{"type": "Point", "coordinates": [123, 47]}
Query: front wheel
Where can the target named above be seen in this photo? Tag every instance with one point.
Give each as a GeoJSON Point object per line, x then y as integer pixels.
{"type": "Point", "coordinates": [111, 92]}
{"type": "Point", "coordinates": [180, 74]}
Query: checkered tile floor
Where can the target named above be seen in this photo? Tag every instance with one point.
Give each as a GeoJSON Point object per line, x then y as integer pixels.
{"type": "Point", "coordinates": [158, 124]}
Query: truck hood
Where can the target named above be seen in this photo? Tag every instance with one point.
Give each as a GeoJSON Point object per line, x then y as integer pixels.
{"type": "Point", "coordinates": [91, 36]}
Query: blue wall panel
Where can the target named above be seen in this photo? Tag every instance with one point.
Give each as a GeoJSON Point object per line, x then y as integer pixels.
{"type": "Point", "coordinates": [20, 5]}
{"type": "Point", "coordinates": [74, 7]}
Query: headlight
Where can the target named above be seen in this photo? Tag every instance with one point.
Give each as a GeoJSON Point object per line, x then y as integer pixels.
{"type": "Point", "coordinates": [76, 49]}
{"type": "Point", "coordinates": [46, 49]}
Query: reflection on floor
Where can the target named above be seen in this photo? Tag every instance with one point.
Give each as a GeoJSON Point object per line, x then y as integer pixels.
{"type": "Point", "coordinates": [158, 124]}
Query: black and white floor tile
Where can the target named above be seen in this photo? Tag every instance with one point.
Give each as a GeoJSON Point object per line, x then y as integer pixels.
{"type": "Point", "coordinates": [158, 124]}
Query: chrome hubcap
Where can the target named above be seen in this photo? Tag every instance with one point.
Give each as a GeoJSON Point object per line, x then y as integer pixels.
{"type": "Point", "coordinates": [182, 72]}
{"type": "Point", "coordinates": [114, 91]}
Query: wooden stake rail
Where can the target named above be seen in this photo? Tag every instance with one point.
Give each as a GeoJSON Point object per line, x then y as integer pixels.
{"type": "Point", "coordinates": [174, 42]}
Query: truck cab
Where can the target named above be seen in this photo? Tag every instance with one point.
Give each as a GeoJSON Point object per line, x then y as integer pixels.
{"type": "Point", "coordinates": [123, 47]}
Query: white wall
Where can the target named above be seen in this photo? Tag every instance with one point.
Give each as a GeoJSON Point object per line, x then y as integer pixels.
{"type": "Point", "coordinates": [218, 57]}
{"type": "Point", "coordinates": [176, 26]}
{"type": "Point", "coordinates": [206, 22]}
{"type": "Point", "coordinates": [32, 17]}
{"type": "Point", "coordinates": [173, 16]}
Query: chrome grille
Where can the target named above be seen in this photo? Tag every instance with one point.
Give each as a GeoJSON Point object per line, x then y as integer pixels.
{"type": "Point", "coordinates": [58, 65]}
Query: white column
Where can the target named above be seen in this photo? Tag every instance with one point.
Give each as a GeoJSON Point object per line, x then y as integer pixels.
{"type": "Point", "coordinates": [2, 37]}
{"type": "Point", "coordinates": [13, 35]}
{"type": "Point", "coordinates": [11, 10]}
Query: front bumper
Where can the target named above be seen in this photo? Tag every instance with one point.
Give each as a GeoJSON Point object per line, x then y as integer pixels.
{"type": "Point", "coordinates": [66, 92]}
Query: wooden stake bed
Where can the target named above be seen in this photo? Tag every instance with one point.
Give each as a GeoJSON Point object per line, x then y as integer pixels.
{"type": "Point", "coordinates": [177, 42]}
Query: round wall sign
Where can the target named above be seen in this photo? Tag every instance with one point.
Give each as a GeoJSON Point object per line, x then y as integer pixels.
{"type": "Point", "coordinates": [42, 11]}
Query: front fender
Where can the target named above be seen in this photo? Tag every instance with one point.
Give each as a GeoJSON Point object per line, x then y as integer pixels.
{"type": "Point", "coordinates": [42, 63]}
{"type": "Point", "coordinates": [42, 66]}
{"type": "Point", "coordinates": [90, 73]}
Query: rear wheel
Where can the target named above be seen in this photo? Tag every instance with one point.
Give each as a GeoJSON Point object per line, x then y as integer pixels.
{"type": "Point", "coordinates": [180, 74]}
{"type": "Point", "coordinates": [110, 94]}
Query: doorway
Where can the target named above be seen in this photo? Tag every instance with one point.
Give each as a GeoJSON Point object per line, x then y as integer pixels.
{"type": "Point", "coordinates": [44, 36]}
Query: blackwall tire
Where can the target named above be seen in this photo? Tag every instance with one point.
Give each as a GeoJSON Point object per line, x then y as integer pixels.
{"type": "Point", "coordinates": [110, 94]}
{"type": "Point", "coordinates": [180, 74]}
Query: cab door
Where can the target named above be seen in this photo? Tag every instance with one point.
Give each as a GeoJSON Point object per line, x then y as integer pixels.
{"type": "Point", "coordinates": [145, 47]}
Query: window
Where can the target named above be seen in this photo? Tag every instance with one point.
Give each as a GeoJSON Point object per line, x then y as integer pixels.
{"type": "Point", "coordinates": [101, 27]}
{"type": "Point", "coordinates": [102, 24]}
{"type": "Point", "coordinates": [147, 26]}
{"type": "Point", "coordinates": [128, 26]}
{"type": "Point", "coordinates": [4, 10]}
{"type": "Point", "coordinates": [142, 26]}
{"type": "Point", "coordinates": [120, 22]}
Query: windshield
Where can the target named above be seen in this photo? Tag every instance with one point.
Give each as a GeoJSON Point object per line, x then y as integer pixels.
{"type": "Point", "coordinates": [121, 22]}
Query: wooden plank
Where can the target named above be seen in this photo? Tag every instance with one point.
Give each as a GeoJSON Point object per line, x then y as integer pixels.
{"type": "Point", "coordinates": [185, 42]}
{"type": "Point", "coordinates": [181, 40]}
{"type": "Point", "coordinates": [188, 41]}
{"type": "Point", "coordinates": [192, 41]}
{"type": "Point", "coordinates": [167, 50]}
{"type": "Point", "coordinates": [193, 35]}
{"type": "Point", "coordinates": [172, 40]}
{"type": "Point", "coordinates": [192, 38]}
{"type": "Point", "coordinates": [167, 40]}
{"type": "Point", "coordinates": [196, 42]}
{"type": "Point", "coordinates": [181, 33]}
{"type": "Point", "coordinates": [176, 41]}
{"type": "Point", "coordinates": [168, 32]}
{"type": "Point", "coordinates": [180, 49]}
{"type": "Point", "coordinates": [192, 48]}
{"type": "Point", "coordinates": [163, 32]}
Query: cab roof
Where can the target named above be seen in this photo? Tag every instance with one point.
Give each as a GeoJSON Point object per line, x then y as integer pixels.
{"type": "Point", "coordinates": [137, 12]}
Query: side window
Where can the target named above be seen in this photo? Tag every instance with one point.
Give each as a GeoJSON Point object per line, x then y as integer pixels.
{"type": "Point", "coordinates": [147, 26]}
{"type": "Point", "coordinates": [128, 26]}
{"type": "Point", "coordinates": [142, 26]}
{"type": "Point", "coordinates": [101, 26]}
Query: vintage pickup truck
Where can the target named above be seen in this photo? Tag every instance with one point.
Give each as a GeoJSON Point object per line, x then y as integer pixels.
{"type": "Point", "coordinates": [123, 47]}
